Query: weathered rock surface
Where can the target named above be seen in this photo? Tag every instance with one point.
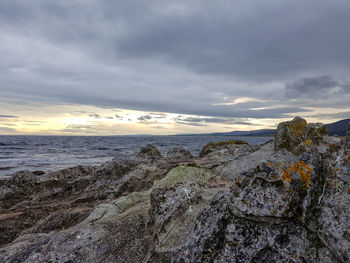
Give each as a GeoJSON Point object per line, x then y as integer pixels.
{"type": "Point", "coordinates": [297, 135]}
{"type": "Point", "coordinates": [179, 155]}
{"type": "Point", "coordinates": [285, 201]}
{"type": "Point", "coordinates": [224, 148]}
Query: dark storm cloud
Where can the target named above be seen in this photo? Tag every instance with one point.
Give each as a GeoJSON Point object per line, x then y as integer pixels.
{"type": "Point", "coordinates": [247, 39]}
{"type": "Point", "coordinates": [322, 86]}
{"type": "Point", "coordinates": [175, 56]}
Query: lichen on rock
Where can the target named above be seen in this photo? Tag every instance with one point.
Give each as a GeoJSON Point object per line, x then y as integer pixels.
{"type": "Point", "coordinates": [297, 135]}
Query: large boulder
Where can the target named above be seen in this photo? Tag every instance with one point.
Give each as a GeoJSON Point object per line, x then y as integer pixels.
{"type": "Point", "coordinates": [297, 135]}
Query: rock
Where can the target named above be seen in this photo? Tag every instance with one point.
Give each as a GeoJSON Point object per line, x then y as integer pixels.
{"type": "Point", "coordinates": [296, 135]}
{"type": "Point", "coordinates": [284, 201]}
{"type": "Point", "coordinates": [170, 203]}
{"type": "Point", "coordinates": [149, 152]}
{"type": "Point", "coordinates": [228, 146]}
{"type": "Point", "coordinates": [38, 172]}
{"type": "Point", "coordinates": [184, 173]}
{"type": "Point", "coordinates": [179, 155]}
{"type": "Point", "coordinates": [334, 219]}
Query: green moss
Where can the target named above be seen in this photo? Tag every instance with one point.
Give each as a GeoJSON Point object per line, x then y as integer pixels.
{"type": "Point", "coordinates": [183, 173]}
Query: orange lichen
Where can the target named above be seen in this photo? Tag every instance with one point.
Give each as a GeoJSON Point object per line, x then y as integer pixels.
{"type": "Point", "coordinates": [347, 157]}
{"type": "Point", "coordinates": [239, 179]}
{"type": "Point", "coordinates": [308, 142]}
{"type": "Point", "coordinates": [337, 171]}
{"type": "Point", "coordinates": [331, 184]}
{"type": "Point", "coordinates": [270, 165]}
{"type": "Point", "coordinates": [348, 191]}
{"type": "Point", "coordinates": [299, 168]}
{"type": "Point", "coordinates": [279, 164]}
{"type": "Point", "coordinates": [286, 175]}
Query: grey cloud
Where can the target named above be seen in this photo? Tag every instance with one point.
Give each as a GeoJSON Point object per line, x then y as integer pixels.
{"type": "Point", "coordinates": [7, 129]}
{"type": "Point", "coordinates": [96, 116]}
{"type": "Point", "coordinates": [110, 118]}
{"type": "Point", "coordinates": [8, 116]}
{"type": "Point", "coordinates": [76, 128]}
{"type": "Point", "coordinates": [34, 121]}
{"type": "Point", "coordinates": [337, 115]}
{"type": "Point", "coordinates": [158, 115]}
{"type": "Point", "coordinates": [201, 121]}
{"type": "Point", "coordinates": [322, 86]}
{"type": "Point", "coordinates": [144, 118]}
{"type": "Point", "coordinates": [172, 56]}
{"type": "Point", "coordinates": [258, 42]}
{"type": "Point", "coordinates": [191, 123]}
{"type": "Point", "coordinates": [8, 124]}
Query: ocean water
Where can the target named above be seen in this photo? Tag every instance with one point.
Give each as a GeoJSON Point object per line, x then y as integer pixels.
{"type": "Point", "coordinates": [49, 153]}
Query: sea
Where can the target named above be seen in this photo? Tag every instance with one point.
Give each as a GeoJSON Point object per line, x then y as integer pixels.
{"type": "Point", "coordinates": [50, 153]}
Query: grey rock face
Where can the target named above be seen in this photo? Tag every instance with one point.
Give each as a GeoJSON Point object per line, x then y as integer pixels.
{"type": "Point", "coordinates": [236, 203]}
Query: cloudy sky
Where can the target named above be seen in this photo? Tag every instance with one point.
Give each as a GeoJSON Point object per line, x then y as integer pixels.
{"type": "Point", "coordinates": [165, 67]}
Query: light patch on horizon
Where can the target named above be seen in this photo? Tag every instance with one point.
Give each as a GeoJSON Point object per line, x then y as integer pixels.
{"type": "Point", "coordinates": [63, 119]}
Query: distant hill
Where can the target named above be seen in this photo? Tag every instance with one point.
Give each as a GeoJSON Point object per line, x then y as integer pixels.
{"type": "Point", "coordinates": [336, 128]}
{"type": "Point", "coordinates": [262, 132]}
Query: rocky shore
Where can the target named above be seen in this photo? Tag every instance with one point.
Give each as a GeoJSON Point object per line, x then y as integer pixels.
{"type": "Point", "coordinates": [287, 200]}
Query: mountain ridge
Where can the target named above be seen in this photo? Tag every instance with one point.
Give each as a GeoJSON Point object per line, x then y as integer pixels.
{"type": "Point", "coordinates": [337, 128]}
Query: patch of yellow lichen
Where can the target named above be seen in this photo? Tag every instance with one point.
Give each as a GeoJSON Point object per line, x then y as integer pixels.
{"type": "Point", "coordinates": [308, 142]}
{"type": "Point", "coordinates": [299, 168]}
{"type": "Point", "coordinates": [270, 165]}
{"type": "Point", "coordinates": [297, 128]}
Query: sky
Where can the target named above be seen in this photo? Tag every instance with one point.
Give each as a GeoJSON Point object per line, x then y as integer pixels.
{"type": "Point", "coordinates": [110, 67]}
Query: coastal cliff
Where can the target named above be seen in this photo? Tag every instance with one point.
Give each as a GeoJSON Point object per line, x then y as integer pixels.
{"type": "Point", "coordinates": [287, 200]}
